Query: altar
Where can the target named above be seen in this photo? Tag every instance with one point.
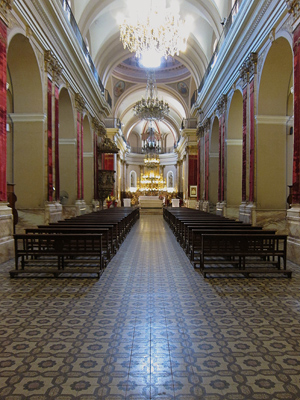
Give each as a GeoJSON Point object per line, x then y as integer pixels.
{"type": "Point", "coordinates": [150, 202]}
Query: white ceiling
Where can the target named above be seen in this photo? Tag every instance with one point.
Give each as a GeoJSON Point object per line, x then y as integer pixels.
{"type": "Point", "coordinates": [98, 22]}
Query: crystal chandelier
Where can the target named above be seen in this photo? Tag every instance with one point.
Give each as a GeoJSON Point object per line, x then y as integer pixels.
{"type": "Point", "coordinates": [151, 160]}
{"type": "Point", "coordinates": [151, 182]}
{"type": "Point", "coordinates": [151, 108]}
{"type": "Point", "coordinates": [153, 27]}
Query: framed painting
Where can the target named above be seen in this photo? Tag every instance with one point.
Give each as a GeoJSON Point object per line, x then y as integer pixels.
{"type": "Point", "coordinates": [193, 191]}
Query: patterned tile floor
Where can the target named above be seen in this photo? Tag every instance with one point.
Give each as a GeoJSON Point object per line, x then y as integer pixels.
{"type": "Point", "coordinates": [150, 328]}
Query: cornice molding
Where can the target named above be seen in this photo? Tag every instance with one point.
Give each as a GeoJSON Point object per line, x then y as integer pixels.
{"type": "Point", "coordinates": [272, 119]}
{"type": "Point", "coordinates": [20, 117]}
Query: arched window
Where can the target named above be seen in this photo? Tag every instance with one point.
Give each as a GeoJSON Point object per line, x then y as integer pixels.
{"type": "Point", "coordinates": [133, 180]}
{"type": "Point", "coordinates": [170, 180]}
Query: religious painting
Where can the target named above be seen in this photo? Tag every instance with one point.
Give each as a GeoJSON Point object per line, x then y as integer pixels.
{"type": "Point", "coordinates": [193, 191]}
{"type": "Point", "coordinates": [119, 88]}
{"type": "Point", "coordinates": [182, 89]}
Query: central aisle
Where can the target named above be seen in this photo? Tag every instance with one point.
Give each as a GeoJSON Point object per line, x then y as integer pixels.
{"type": "Point", "coordinates": [150, 328]}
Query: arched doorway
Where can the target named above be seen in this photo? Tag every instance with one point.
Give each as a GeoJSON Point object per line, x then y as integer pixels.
{"type": "Point", "coordinates": [274, 143]}
{"type": "Point", "coordinates": [234, 144]}
{"type": "Point", "coordinates": [88, 158]}
{"type": "Point", "coordinates": [26, 137]}
{"type": "Point", "coordinates": [214, 165]}
{"type": "Point", "coordinates": [67, 149]}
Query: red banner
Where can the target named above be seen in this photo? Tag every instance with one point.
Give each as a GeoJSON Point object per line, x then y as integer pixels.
{"type": "Point", "coordinates": [3, 140]}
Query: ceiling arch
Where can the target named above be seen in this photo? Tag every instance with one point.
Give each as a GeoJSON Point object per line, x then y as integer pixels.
{"type": "Point", "coordinates": [98, 23]}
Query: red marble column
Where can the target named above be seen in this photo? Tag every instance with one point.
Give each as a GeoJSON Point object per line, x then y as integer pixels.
{"type": "Point", "coordinates": [49, 144]}
{"type": "Point", "coordinates": [244, 166]}
{"type": "Point", "coordinates": [3, 64]}
{"type": "Point", "coordinates": [95, 167]}
{"type": "Point", "coordinates": [81, 159]}
{"type": "Point", "coordinates": [198, 170]}
{"type": "Point", "coordinates": [78, 155]}
{"type": "Point", "coordinates": [57, 181]}
{"type": "Point", "coordinates": [206, 165]}
{"type": "Point", "coordinates": [252, 143]}
{"type": "Point", "coordinates": [220, 161]}
{"type": "Point", "coordinates": [296, 160]}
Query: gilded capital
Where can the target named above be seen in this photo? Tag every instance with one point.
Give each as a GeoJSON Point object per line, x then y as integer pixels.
{"type": "Point", "coordinates": [52, 66]}
{"type": "Point", "coordinates": [200, 130]}
{"type": "Point", "coordinates": [79, 102]}
{"type": "Point", "coordinates": [5, 7]}
{"type": "Point", "coordinates": [293, 7]}
{"type": "Point", "coordinates": [222, 103]}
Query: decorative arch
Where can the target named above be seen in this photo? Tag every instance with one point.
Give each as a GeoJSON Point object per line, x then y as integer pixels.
{"type": "Point", "coordinates": [133, 180]}
{"type": "Point", "coordinates": [214, 163]}
{"type": "Point", "coordinates": [88, 161]}
{"type": "Point", "coordinates": [234, 145]}
{"type": "Point", "coordinates": [274, 144]}
{"type": "Point", "coordinates": [67, 146]}
{"type": "Point", "coordinates": [170, 180]}
{"type": "Point", "coordinates": [25, 140]}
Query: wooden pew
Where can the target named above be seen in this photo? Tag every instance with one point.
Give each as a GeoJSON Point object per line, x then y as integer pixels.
{"type": "Point", "coordinates": [57, 254]}
{"type": "Point", "coordinates": [243, 252]}
{"type": "Point", "coordinates": [106, 232]}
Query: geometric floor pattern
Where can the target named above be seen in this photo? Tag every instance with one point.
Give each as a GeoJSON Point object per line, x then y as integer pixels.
{"type": "Point", "coordinates": [150, 328]}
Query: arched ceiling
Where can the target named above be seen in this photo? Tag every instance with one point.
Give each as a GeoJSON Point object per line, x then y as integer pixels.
{"type": "Point", "coordinates": [98, 22]}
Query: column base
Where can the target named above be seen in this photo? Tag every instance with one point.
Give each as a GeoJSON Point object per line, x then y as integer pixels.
{"type": "Point", "coordinates": [53, 212]}
{"type": "Point", "coordinates": [80, 206]}
{"type": "Point", "coordinates": [221, 209]}
{"type": "Point", "coordinates": [293, 247]}
{"type": "Point", "coordinates": [204, 205]}
{"type": "Point", "coordinates": [247, 213]}
{"type": "Point", "coordinates": [191, 203]}
{"type": "Point", "coordinates": [6, 233]}
{"type": "Point", "coordinates": [95, 205]}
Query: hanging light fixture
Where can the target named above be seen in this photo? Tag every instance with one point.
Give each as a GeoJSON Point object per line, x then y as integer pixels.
{"type": "Point", "coordinates": [151, 108]}
{"type": "Point", "coordinates": [153, 26]}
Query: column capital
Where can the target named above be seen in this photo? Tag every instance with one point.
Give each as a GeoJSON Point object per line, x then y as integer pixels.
{"type": "Point", "coordinates": [293, 7]}
{"type": "Point", "coordinates": [222, 104]}
{"type": "Point", "coordinates": [79, 102]}
{"type": "Point", "coordinates": [249, 68]}
{"type": "Point", "coordinates": [98, 127]}
{"type": "Point", "coordinates": [52, 66]}
{"type": "Point", "coordinates": [5, 7]}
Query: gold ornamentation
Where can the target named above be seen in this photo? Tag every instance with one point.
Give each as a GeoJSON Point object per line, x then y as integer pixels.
{"type": "Point", "coordinates": [293, 7]}
{"type": "Point", "coordinates": [222, 103]}
{"type": "Point", "coordinates": [79, 102]}
{"type": "Point", "coordinates": [108, 146]}
{"type": "Point", "coordinates": [5, 7]}
{"type": "Point", "coordinates": [52, 66]}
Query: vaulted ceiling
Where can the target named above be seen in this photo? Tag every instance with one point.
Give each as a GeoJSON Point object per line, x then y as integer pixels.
{"type": "Point", "coordinates": [176, 79]}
